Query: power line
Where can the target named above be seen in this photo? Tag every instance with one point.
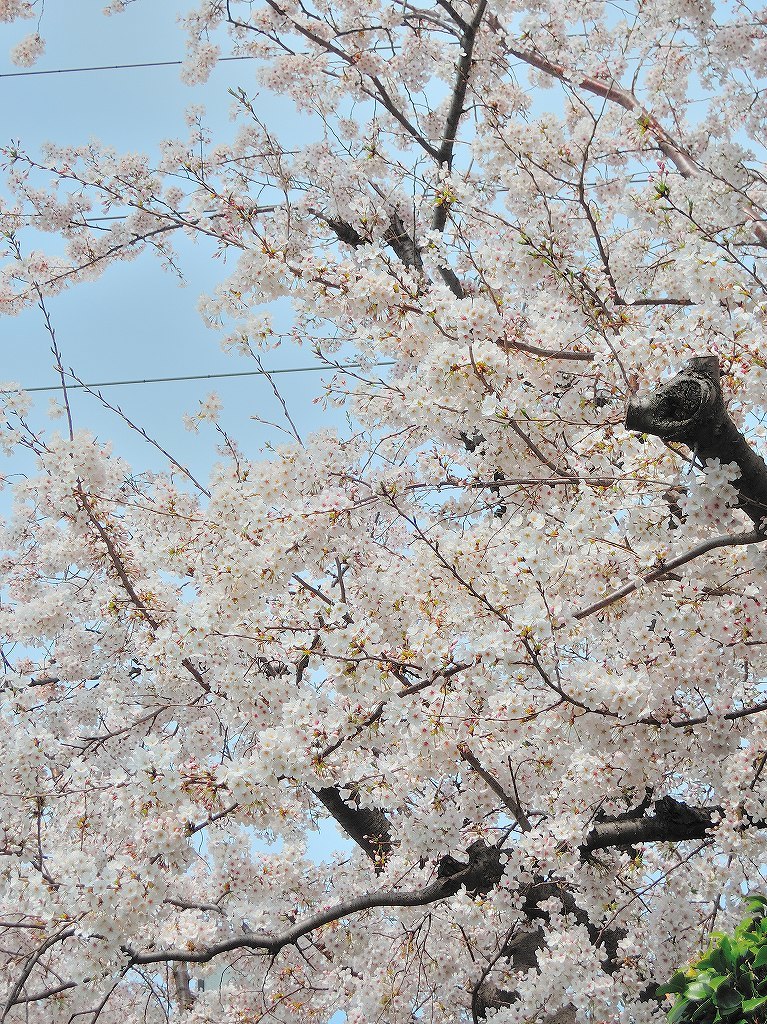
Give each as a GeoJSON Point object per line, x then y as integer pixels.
{"type": "Point", "coordinates": [110, 67]}
{"type": "Point", "coordinates": [87, 221]}
{"type": "Point", "coordinates": [211, 376]}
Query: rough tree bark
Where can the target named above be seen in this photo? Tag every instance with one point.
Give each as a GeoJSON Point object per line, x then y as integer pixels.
{"type": "Point", "coordinates": [691, 408]}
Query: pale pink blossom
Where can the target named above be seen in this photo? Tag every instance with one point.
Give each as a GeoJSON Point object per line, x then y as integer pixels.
{"type": "Point", "coordinates": [27, 52]}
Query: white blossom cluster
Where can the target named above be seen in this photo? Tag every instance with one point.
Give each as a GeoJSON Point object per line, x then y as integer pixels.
{"type": "Point", "coordinates": [711, 497]}
{"type": "Point", "coordinates": [25, 53]}
{"type": "Point", "coordinates": [485, 612]}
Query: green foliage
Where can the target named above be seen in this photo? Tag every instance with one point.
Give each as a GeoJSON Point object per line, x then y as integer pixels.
{"type": "Point", "coordinates": [729, 983]}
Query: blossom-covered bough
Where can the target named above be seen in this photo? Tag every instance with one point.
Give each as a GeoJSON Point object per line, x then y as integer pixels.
{"type": "Point", "coordinates": [511, 645]}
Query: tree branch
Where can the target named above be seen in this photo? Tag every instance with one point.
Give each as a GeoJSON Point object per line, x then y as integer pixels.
{"type": "Point", "coordinates": [367, 826]}
{"type": "Point", "coordinates": [18, 985]}
{"type": "Point", "coordinates": [690, 408]}
{"type": "Point", "coordinates": [672, 822]}
{"type": "Point", "coordinates": [509, 801]}
{"type": "Point", "coordinates": [609, 90]}
{"type": "Point", "coordinates": [723, 540]}
{"type": "Point", "coordinates": [444, 156]}
{"type": "Point", "coordinates": [463, 69]}
{"type": "Point", "coordinates": [482, 872]}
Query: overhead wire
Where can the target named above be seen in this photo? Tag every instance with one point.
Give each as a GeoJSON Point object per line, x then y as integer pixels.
{"type": "Point", "coordinates": [109, 67]}
{"type": "Point", "coordinates": [207, 376]}
{"type": "Point", "coordinates": [189, 377]}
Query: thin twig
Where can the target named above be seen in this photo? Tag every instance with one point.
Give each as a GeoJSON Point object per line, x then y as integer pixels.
{"type": "Point", "coordinates": [139, 430]}
{"type": "Point", "coordinates": [510, 803]}
{"type": "Point", "coordinates": [723, 540]}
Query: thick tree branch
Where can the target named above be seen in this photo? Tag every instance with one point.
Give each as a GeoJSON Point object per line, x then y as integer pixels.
{"type": "Point", "coordinates": [400, 241]}
{"type": "Point", "coordinates": [403, 244]}
{"type": "Point", "coordinates": [446, 150]}
{"type": "Point", "coordinates": [479, 875]}
{"type": "Point", "coordinates": [457, 100]}
{"type": "Point", "coordinates": [690, 408]}
{"type": "Point", "coordinates": [367, 826]}
{"type": "Point", "coordinates": [521, 949]}
{"type": "Point", "coordinates": [548, 353]}
{"type": "Point", "coordinates": [181, 980]}
{"type": "Point", "coordinates": [671, 822]}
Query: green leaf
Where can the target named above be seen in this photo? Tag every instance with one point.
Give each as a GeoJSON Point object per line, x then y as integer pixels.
{"type": "Point", "coordinates": [749, 1005]}
{"type": "Point", "coordinates": [761, 957]}
{"type": "Point", "coordinates": [677, 984]}
{"type": "Point", "coordinates": [717, 979]}
{"type": "Point", "coordinates": [698, 989]}
{"type": "Point", "coordinates": [704, 1012]}
{"type": "Point", "coordinates": [706, 973]}
{"type": "Point", "coordinates": [728, 1000]}
{"type": "Point", "coordinates": [718, 961]}
{"type": "Point", "coordinates": [678, 1010]}
{"type": "Point", "coordinates": [728, 952]}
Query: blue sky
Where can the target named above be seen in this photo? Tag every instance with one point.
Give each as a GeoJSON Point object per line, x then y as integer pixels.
{"type": "Point", "coordinates": [137, 321]}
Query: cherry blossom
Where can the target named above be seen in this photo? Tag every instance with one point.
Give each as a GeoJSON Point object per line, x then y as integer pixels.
{"type": "Point", "coordinates": [25, 53]}
{"type": "Point", "coordinates": [504, 635]}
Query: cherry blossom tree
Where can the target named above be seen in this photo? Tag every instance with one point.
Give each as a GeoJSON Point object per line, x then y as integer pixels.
{"type": "Point", "coordinates": [507, 632]}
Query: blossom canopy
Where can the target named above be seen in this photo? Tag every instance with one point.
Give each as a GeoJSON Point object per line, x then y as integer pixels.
{"type": "Point", "coordinates": [511, 646]}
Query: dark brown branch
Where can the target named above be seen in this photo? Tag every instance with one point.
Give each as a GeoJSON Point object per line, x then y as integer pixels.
{"type": "Point", "coordinates": [690, 408]}
{"type": "Point", "coordinates": [114, 555]}
{"type": "Point", "coordinates": [482, 872]}
{"type": "Point", "coordinates": [45, 993]}
{"type": "Point", "coordinates": [399, 238]}
{"type": "Point", "coordinates": [671, 822]}
{"type": "Point", "coordinates": [367, 826]}
{"type": "Point", "coordinates": [730, 716]}
{"type": "Point", "coordinates": [444, 156]}
{"type": "Point", "coordinates": [379, 92]}
{"type": "Point", "coordinates": [344, 231]}
{"type": "Point", "coordinates": [184, 995]}
{"type": "Point", "coordinates": [403, 245]}
{"type": "Point", "coordinates": [463, 70]}
{"type": "Point", "coordinates": [522, 949]}
{"type": "Point", "coordinates": [211, 908]}
{"type": "Point", "coordinates": [506, 798]}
